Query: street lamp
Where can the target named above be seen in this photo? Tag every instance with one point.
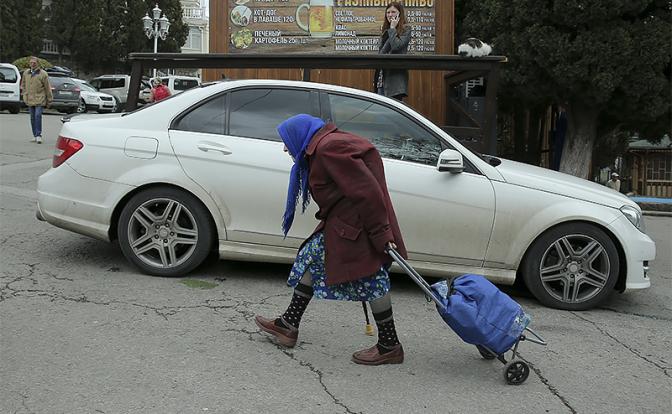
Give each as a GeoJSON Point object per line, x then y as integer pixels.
{"type": "Point", "coordinates": [156, 27]}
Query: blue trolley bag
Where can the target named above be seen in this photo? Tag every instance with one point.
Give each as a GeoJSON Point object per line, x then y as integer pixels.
{"type": "Point", "coordinates": [480, 313]}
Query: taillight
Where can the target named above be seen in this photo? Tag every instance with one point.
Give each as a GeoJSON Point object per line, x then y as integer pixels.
{"type": "Point", "coordinates": [77, 90]}
{"type": "Point", "coordinates": [65, 148]}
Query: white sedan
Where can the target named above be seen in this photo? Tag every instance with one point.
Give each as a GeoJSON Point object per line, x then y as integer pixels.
{"type": "Point", "coordinates": [205, 170]}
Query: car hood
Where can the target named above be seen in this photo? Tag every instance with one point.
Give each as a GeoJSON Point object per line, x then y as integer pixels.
{"type": "Point", "coordinates": [542, 179]}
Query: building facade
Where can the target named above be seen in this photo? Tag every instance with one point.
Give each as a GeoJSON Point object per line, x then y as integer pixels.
{"type": "Point", "coordinates": [195, 15]}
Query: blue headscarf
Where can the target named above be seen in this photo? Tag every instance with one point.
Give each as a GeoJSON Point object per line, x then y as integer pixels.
{"type": "Point", "coordinates": [296, 132]}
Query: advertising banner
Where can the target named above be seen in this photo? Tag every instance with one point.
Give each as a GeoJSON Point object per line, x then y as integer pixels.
{"type": "Point", "coordinates": [323, 26]}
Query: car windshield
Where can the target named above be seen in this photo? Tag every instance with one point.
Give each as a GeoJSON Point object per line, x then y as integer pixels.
{"type": "Point", "coordinates": [87, 87]}
{"type": "Point", "coordinates": [7, 75]}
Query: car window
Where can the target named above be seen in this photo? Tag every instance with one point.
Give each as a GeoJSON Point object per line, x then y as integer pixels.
{"type": "Point", "coordinates": [395, 135]}
{"type": "Point", "coordinates": [95, 83]}
{"type": "Point", "coordinates": [209, 117]}
{"type": "Point", "coordinates": [256, 113]}
{"type": "Point", "coordinates": [184, 84]}
{"type": "Point", "coordinates": [7, 75]}
{"type": "Point", "coordinates": [58, 81]}
{"type": "Point", "coordinates": [112, 83]}
{"type": "Point", "coordinates": [86, 87]}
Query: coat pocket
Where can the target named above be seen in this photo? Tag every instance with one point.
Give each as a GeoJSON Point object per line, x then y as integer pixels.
{"type": "Point", "coordinates": [345, 230]}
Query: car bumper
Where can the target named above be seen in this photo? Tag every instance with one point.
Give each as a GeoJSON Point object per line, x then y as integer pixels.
{"type": "Point", "coordinates": [64, 105]}
{"type": "Point", "coordinates": [8, 100]}
{"type": "Point", "coordinates": [10, 104]}
{"type": "Point", "coordinates": [77, 203]}
{"type": "Point", "coordinates": [639, 250]}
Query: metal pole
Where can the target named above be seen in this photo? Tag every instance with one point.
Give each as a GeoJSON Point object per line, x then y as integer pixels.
{"type": "Point", "coordinates": [156, 40]}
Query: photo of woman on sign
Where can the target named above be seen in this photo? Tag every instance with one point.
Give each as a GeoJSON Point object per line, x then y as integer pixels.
{"type": "Point", "coordinates": [393, 40]}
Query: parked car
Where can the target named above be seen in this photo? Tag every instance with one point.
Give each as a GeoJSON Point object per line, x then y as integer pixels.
{"type": "Point", "coordinates": [206, 168]}
{"type": "Point", "coordinates": [10, 88]}
{"type": "Point", "coordinates": [60, 70]}
{"type": "Point", "coordinates": [66, 94]}
{"type": "Point", "coordinates": [92, 99]}
{"type": "Point", "coordinates": [117, 86]}
{"type": "Point", "coordinates": [177, 84]}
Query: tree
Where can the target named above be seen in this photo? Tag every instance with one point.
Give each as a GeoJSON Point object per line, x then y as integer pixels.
{"type": "Point", "coordinates": [124, 31]}
{"type": "Point", "coordinates": [75, 26]}
{"type": "Point", "coordinates": [607, 62]}
{"type": "Point", "coordinates": [15, 39]}
{"type": "Point", "coordinates": [101, 33]}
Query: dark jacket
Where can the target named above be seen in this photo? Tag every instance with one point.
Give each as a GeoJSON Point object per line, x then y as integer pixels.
{"type": "Point", "coordinates": [395, 81]}
{"type": "Point", "coordinates": [347, 181]}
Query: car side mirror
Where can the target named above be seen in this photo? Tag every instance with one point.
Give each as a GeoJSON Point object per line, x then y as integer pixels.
{"type": "Point", "coordinates": [451, 161]}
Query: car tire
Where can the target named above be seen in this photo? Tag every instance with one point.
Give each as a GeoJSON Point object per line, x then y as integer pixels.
{"type": "Point", "coordinates": [157, 241]}
{"type": "Point", "coordinates": [81, 108]}
{"type": "Point", "coordinates": [580, 265]}
{"type": "Point", "coordinates": [15, 110]}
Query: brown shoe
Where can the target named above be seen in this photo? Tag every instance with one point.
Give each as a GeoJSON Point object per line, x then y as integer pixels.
{"type": "Point", "coordinates": [372, 356]}
{"type": "Point", "coordinates": [284, 336]}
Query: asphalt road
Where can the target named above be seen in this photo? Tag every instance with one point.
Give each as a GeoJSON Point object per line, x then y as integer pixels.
{"type": "Point", "coordinates": [81, 331]}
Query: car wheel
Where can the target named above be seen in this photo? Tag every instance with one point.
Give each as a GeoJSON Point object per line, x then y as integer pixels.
{"type": "Point", "coordinates": [14, 110]}
{"type": "Point", "coordinates": [165, 231]}
{"type": "Point", "coordinates": [81, 108]}
{"type": "Point", "coordinates": [573, 266]}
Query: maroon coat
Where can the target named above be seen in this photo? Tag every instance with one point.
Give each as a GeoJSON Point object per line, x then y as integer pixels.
{"type": "Point", "coordinates": [347, 181]}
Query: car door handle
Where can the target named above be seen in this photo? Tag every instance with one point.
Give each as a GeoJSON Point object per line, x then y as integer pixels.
{"type": "Point", "coordinates": [212, 146]}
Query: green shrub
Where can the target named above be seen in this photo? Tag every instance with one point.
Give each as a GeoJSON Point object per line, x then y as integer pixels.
{"type": "Point", "coordinates": [24, 63]}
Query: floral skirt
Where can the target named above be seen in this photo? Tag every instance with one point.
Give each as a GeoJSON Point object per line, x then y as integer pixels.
{"type": "Point", "coordinates": [311, 259]}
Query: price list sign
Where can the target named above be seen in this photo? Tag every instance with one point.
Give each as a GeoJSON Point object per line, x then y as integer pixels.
{"type": "Point", "coordinates": [323, 26]}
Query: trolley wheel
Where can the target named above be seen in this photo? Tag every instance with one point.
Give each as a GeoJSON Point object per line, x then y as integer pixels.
{"type": "Point", "coordinates": [484, 352]}
{"type": "Point", "coordinates": [516, 372]}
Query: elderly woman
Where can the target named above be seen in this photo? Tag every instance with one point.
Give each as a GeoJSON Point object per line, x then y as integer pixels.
{"type": "Point", "coordinates": [345, 257]}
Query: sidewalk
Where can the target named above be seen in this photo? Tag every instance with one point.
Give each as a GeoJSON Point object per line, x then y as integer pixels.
{"type": "Point", "coordinates": [654, 206]}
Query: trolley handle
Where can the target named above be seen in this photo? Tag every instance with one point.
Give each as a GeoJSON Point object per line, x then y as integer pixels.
{"type": "Point", "coordinates": [537, 338]}
{"type": "Point", "coordinates": [422, 283]}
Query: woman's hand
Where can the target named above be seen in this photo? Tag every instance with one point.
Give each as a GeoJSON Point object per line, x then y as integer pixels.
{"type": "Point", "coordinates": [394, 21]}
{"type": "Point", "coordinates": [391, 245]}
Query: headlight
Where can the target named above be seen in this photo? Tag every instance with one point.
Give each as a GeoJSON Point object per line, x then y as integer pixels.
{"type": "Point", "coordinates": [634, 216]}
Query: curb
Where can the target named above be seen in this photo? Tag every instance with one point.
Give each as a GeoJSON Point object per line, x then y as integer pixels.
{"type": "Point", "coordinates": [657, 213]}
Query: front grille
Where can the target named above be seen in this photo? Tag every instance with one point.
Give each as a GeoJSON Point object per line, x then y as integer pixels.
{"type": "Point", "coordinates": [105, 98]}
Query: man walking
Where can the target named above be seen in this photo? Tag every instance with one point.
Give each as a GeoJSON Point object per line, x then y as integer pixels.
{"type": "Point", "coordinates": [614, 183]}
{"type": "Point", "coordinates": [36, 94]}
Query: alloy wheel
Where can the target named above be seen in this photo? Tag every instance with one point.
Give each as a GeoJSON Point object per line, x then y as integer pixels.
{"type": "Point", "coordinates": [574, 268]}
{"type": "Point", "coordinates": [162, 233]}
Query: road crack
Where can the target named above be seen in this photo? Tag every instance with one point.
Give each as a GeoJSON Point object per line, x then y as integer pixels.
{"type": "Point", "coordinates": [320, 378]}
{"type": "Point", "coordinates": [664, 369]}
{"type": "Point", "coordinates": [641, 315]}
{"type": "Point", "coordinates": [548, 385]}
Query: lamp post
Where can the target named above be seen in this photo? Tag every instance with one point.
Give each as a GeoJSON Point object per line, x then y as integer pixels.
{"type": "Point", "coordinates": [156, 26]}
